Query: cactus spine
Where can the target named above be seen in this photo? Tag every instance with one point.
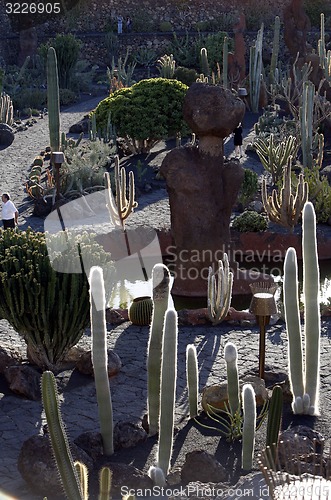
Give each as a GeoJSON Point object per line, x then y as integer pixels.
{"type": "Point", "coordinates": [192, 379]}
{"type": "Point", "coordinates": [82, 473]}
{"type": "Point", "coordinates": [6, 109]}
{"type": "Point", "coordinates": [274, 416]}
{"type": "Point", "coordinates": [285, 209]}
{"type": "Point", "coordinates": [219, 291]}
{"type": "Point", "coordinates": [167, 390]}
{"type": "Point", "coordinates": [53, 100]}
{"type": "Point", "coordinates": [105, 479]}
{"type": "Point", "coordinates": [99, 357]}
{"type": "Point", "coordinates": [249, 424]}
{"type": "Point", "coordinates": [59, 440]}
{"type": "Point", "coordinates": [306, 122]}
{"type": "Point", "coordinates": [312, 327]}
{"type": "Point", "coordinates": [161, 293]}
{"type": "Point", "coordinates": [230, 356]}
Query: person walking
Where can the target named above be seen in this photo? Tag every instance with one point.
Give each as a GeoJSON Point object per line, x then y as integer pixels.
{"type": "Point", "coordinates": [9, 212]}
{"type": "Point", "coordinates": [238, 141]}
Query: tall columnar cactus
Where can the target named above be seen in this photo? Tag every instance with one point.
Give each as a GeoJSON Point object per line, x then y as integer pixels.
{"type": "Point", "coordinates": [100, 357]}
{"type": "Point", "coordinates": [167, 390]}
{"type": "Point", "coordinates": [249, 425]}
{"type": "Point", "coordinates": [124, 203]}
{"type": "Point", "coordinates": [205, 69]}
{"type": "Point", "coordinates": [82, 473]}
{"type": "Point", "coordinates": [275, 51]}
{"type": "Point", "coordinates": [274, 416]}
{"type": "Point", "coordinates": [285, 208]}
{"type": "Point", "coordinates": [304, 382]}
{"type": "Point", "coordinates": [325, 56]}
{"type": "Point", "coordinates": [219, 291]}
{"type": "Point", "coordinates": [157, 476]}
{"type": "Point", "coordinates": [105, 480]}
{"type": "Point", "coordinates": [192, 379]}
{"type": "Point", "coordinates": [6, 109]}
{"type": "Point", "coordinates": [59, 440]}
{"type": "Point", "coordinates": [306, 123]}
{"type": "Point", "coordinates": [225, 62]}
{"type": "Point", "coordinates": [167, 66]}
{"type": "Point", "coordinates": [161, 294]}
{"type": "Point", "coordinates": [311, 283]}
{"type": "Point", "coordinates": [255, 71]}
{"type": "Point", "coordinates": [230, 356]}
{"type": "Point", "coordinates": [53, 100]}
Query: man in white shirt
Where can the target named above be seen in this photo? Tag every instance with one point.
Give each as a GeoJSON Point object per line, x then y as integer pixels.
{"type": "Point", "coordinates": [9, 212]}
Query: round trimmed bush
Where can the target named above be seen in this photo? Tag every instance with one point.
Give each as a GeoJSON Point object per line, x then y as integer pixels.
{"type": "Point", "coordinates": [250, 221]}
{"type": "Point", "coordinates": [147, 112]}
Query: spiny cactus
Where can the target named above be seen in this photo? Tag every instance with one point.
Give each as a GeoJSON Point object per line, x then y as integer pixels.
{"type": "Point", "coordinates": [219, 291]}
{"type": "Point", "coordinates": [205, 69]}
{"type": "Point", "coordinates": [249, 424]}
{"type": "Point", "coordinates": [82, 473]}
{"type": "Point", "coordinates": [285, 208]}
{"type": "Point", "coordinates": [167, 66]}
{"type": "Point", "coordinates": [53, 100]}
{"type": "Point", "coordinates": [304, 381]}
{"type": "Point", "coordinates": [59, 440]}
{"type": "Point", "coordinates": [124, 203]}
{"type": "Point", "coordinates": [100, 357]}
{"type": "Point", "coordinates": [6, 109]}
{"type": "Point", "coordinates": [306, 122]}
{"type": "Point", "coordinates": [275, 51]}
{"type": "Point", "coordinates": [255, 71]}
{"type": "Point", "coordinates": [157, 476]}
{"type": "Point", "coordinates": [225, 62]}
{"type": "Point", "coordinates": [274, 418]}
{"type": "Point", "coordinates": [230, 356]}
{"type": "Point", "coordinates": [105, 481]}
{"type": "Point", "coordinates": [161, 295]}
{"type": "Point", "coordinates": [275, 156]}
{"type": "Point", "coordinates": [192, 379]}
{"type": "Point", "coordinates": [167, 390]}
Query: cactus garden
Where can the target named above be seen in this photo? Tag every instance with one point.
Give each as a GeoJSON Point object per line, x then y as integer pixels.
{"type": "Point", "coordinates": [165, 297]}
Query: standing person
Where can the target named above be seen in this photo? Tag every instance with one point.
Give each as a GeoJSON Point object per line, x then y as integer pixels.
{"type": "Point", "coordinates": [238, 141]}
{"type": "Point", "coordinates": [119, 24]}
{"type": "Point", "coordinates": [9, 212]}
{"type": "Point", "coordinates": [128, 24]}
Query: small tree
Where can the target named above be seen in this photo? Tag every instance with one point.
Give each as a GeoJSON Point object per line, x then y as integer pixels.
{"type": "Point", "coordinates": [144, 114]}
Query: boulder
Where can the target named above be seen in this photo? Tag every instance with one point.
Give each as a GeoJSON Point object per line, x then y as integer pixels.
{"type": "Point", "coordinates": [6, 135]}
{"type": "Point", "coordinates": [24, 380]}
{"type": "Point", "coordinates": [203, 467]}
{"type": "Point", "coordinates": [84, 364]}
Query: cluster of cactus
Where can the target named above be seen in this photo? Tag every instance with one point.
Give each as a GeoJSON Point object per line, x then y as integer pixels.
{"type": "Point", "coordinates": [124, 203]}
{"type": "Point", "coordinates": [70, 143]}
{"type": "Point", "coordinates": [121, 71]}
{"type": "Point", "coordinates": [304, 379]}
{"type": "Point", "coordinates": [255, 71]}
{"type": "Point", "coordinates": [35, 185]}
{"type": "Point", "coordinates": [325, 56]}
{"type": "Point", "coordinates": [6, 109]}
{"type": "Point", "coordinates": [274, 155]}
{"type": "Point", "coordinates": [53, 100]}
{"type": "Point", "coordinates": [48, 309]}
{"type": "Point", "coordinates": [219, 291]}
{"type": "Point", "coordinates": [285, 208]}
{"type": "Point", "coordinates": [166, 66]}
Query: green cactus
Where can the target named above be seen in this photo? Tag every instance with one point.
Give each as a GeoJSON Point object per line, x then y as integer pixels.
{"type": "Point", "coordinates": [82, 473]}
{"type": "Point", "coordinates": [230, 356]}
{"type": "Point", "coordinates": [167, 66]}
{"type": "Point", "coordinates": [249, 424]}
{"type": "Point", "coordinates": [53, 100]}
{"type": "Point", "coordinates": [192, 379]}
{"type": "Point", "coordinates": [105, 480]}
{"type": "Point", "coordinates": [255, 71]}
{"type": "Point", "coordinates": [304, 382]}
{"type": "Point", "coordinates": [274, 416]}
{"type": "Point", "coordinates": [49, 309]}
{"type": "Point", "coordinates": [59, 440]}
{"type": "Point", "coordinates": [157, 476]}
{"type": "Point", "coordinates": [275, 51]}
{"type": "Point", "coordinates": [100, 357]}
{"type": "Point", "coordinates": [161, 295]}
{"type": "Point", "coordinates": [225, 62]}
{"type": "Point", "coordinates": [306, 122]}
{"type": "Point", "coordinates": [274, 155]}
{"type": "Point", "coordinates": [285, 208]}
{"type": "Point", "coordinates": [205, 69]}
{"type": "Point", "coordinates": [219, 291]}
{"type": "Point", "coordinates": [6, 109]}
{"type": "Point", "coordinates": [70, 143]}
{"type": "Point", "coordinates": [167, 390]}
{"type": "Point", "coordinates": [124, 203]}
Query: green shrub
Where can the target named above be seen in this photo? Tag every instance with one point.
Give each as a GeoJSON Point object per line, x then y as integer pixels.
{"type": "Point", "coordinates": [165, 26]}
{"type": "Point", "coordinates": [250, 221]}
{"type": "Point", "coordinates": [49, 309]}
{"type": "Point", "coordinates": [249, 187]}
{"type": "Point", "coordinates": [30, 98]}
{"type": "Point", "coordinates": [319, 191]}
{"type": "Point", "coordinates": [67, 97]}
{"type": "Point", "coordinates": [314, 8]}
{"type": "Point", "coordinates": [185, 75]}
{"type": "Point", "coordinates": [145, 113]}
